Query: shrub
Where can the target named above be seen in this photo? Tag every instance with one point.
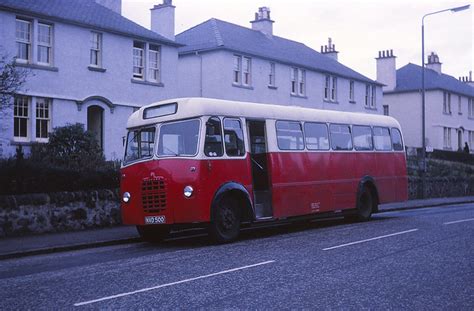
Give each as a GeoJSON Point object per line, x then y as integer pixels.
{"type": "Point", "coordinates": [70, 161]}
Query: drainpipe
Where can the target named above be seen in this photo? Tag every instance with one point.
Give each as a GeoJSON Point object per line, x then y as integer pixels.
{"type": "Point", "coordinates": [200, 73]}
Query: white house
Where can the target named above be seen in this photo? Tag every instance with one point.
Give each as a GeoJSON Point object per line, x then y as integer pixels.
{"type": "Point", "coordinates": [449, 103]}
{"type": "Point", "coordinates": [226, 61]}
{"type": "Point", "coordinates": [87, 64]}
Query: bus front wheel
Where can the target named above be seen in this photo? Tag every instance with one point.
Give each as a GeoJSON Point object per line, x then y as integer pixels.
{"type": "Point", "coordinates": [225, 224]}
{"type": "Point", "coordinates": [153, 233]}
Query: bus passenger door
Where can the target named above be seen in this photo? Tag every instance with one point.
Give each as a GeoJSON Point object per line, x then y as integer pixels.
{"type": "Point", "coordinates": [260, 174]}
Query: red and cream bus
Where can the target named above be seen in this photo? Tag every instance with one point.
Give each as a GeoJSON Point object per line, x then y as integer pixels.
{"type": "Point", "coordinates": [224, 164]}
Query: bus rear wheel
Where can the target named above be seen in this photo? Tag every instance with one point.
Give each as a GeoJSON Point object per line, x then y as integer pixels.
{"type": "Point", "coordinates": [225, 224]}
{"type": "Point", "coordinates": [365, 204]}
{"type": "Point", "coordinates": [153, 233]}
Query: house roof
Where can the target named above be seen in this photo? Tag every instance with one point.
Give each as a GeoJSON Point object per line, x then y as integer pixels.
{"type": "Point", "coordinates": [409, 80]}
{"type": "Point", "coordinates": [215, 34]}
{"type": "Point", "coordinates": [84, 13]}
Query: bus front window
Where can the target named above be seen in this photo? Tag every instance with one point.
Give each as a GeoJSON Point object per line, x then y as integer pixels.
{"type": "Point", "coordinates": [140, 144]}
{"type": "Point", "coordinates": [179, 138]}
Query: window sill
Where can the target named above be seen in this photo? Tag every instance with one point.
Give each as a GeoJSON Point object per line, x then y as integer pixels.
{"type": "Point", "coordinates": [98, 69]}
{"type": "Point", "coordinates": [15, 142]}
{"type": "Point", "coordinates": [159, 84]}
{"type": "Point", "coordinates": [352, 102]}
{"type": "Point", "coordinates": [447, 114]}
{"type": "Point", "coordinates": [370, 108]}
{"type": "Point", "coordinates": [248, 87]}
{"type": "Point", "coordinates": [331, 101]}
{"type": "Point", "coordinates": [298, 96]}
{"type": "Point", "coordinates": [272, 87]}
{"type": "Point", "coordinates": [36, 66]}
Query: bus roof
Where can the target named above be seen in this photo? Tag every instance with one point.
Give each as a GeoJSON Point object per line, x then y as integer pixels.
{"type": "Point", "coordinates": [195, 107]}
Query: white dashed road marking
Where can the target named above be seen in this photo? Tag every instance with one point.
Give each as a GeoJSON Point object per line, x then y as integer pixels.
{"type": "Point", "coordinates": [170, 284]}
{"type": "Point", "coordinates": [371, 239]}
{"type": "Point", "coordinates": [457, 221]}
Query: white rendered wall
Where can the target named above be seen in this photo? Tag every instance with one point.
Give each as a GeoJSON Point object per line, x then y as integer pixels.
{"type": "Point", "coordinates": [217, 77]}
{"type": "Point", "coordinates": [73, 81]}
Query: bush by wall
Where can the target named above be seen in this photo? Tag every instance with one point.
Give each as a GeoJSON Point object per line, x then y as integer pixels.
{"type": "Point", "coordinates": [70, 161]}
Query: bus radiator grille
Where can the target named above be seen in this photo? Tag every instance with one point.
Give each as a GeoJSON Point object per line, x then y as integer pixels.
{"type": "Point", "coordinates": [153, 194]}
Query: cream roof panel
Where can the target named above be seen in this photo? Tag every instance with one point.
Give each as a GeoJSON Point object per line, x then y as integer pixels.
{"type": "Point", "coordinates": [195, 107]}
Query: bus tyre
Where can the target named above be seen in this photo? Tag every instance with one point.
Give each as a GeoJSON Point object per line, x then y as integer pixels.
{"type": "Point", "coordinates": [225, 224]}
{"type": "Point", "coordinates": [153, 233]}
{"type": "Point", "coordinates": [365, 204]}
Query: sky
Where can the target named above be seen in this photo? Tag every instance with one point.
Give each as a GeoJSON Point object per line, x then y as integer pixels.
{"type": "Point", "coordinates": [358, 28]}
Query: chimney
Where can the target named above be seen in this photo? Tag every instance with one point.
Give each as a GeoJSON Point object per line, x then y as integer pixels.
{"type": "Point", "coordinates": [162, 19]}
{"type": "Point", "coordinates": [467, 79]}
{"type": "Point", "coordinates": [114, 5]}
{"type": "Point", "coordinates": [433, 63]}
{"type": "Point", "coordinates": [262, 21]}
{"type": "Point", "coordinates": [386, 70]}
{"type": "Point", "coordinates": [329, 50]}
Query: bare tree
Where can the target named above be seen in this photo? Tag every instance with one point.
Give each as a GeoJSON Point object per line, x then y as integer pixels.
{"type": "Point", "coordinates": [12, 78]}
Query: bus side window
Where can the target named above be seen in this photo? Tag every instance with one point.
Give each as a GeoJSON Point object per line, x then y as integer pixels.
{"type": "Point", "coordinates": [213, 142]}
{"type": "Point", "coordinates": [397, 140]}
{"type": "Point", "coordinates": [317, 137]}
{"type": "Point", "coordinates": [341, 138]}
{"type": "Point", "coordinates": [233, 138]}
{"type": "Point", "coordinates": [362, 137]}
{"type": "Point", "coordinates": [382, 139]}
{"type": "Point", "coordinates": [289, 135]}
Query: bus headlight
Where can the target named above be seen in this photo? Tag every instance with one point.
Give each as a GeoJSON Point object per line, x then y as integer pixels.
{"type": "Point", "coordinates": [126, 197]}
{"type": "Point", "coordinates": [188, 191]}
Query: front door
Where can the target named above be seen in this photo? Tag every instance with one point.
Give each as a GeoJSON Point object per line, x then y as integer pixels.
{"type": "Point", "coordinates": [460, 146]}
{"type": "Point", "coordinates": [260, 173]}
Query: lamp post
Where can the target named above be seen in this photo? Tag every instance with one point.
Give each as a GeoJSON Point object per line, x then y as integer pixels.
{"type": "Point", "coordinates": [423, 152]}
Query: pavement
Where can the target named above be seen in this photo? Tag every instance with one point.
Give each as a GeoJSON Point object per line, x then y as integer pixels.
{"type": "Point", "coordinates": [28, 245]}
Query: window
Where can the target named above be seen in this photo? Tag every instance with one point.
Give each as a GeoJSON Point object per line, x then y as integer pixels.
{"type": "Point", "coordinates": [247, 79]}
{"type": "Point", "coordinates": [140, 144]}
{"type": "Point", "coordinates": [351, 91]}
{"type": "Point", "coordinates": [382, 141]}
{"type": "Point", "coordinates": [298, 81]}
{"type": "Point", "coordinates": [138, 60]}
{"type": "Point", "coordinates": [327, 83]}
{"type": "Point", "coordinates": [179, 138]}
{"type": "Point", "coordinates": [340, 137]}
{"type": "Point", "coordinates": [330, 88]}
{"type": "Point", "coordinates": [213, 142]}
{"type": "Point", "coordinates": [459, 105]}
{"type": "Point", "coordinates": [154, 63]}
{"type": "Point", "coordinates": [237, 68]}
{"type": "Point", "coordinates": [45, 43]}
{"type": "Point", "coordinates": [21, 117]}
{"type": "Point", "coordinates": [294, 76]}
{"type": "Point", "coordinates": [233, 138]}
{"type": "Point", "coordinates": [334, 89]}
{"type": "Point", "coordinates": [23, 40]}
{"type": "Point", "coordinates": [43, 121]}
{"type": "Point", "coordinates": [447, 138]}
{"type": "Point", "coordinates": [470, 107]}
{"type": "Point", "coordinates": [373, 97]}
{"type": "Point", "coordinates": [289, 135]}
{"type": "Point", "coordinates": [447, 103]}
{"type": "Point", "coordinates": [271, 75]}
{"type": "Point", "coordinates": [471, 140]}
{"type": "Point", "coordinates": [316, 136]}
{"type": "Point", "coordinates": [242, 70]}
{"type": "Point", "coordinates": [397, 142]}
{"type": "Point", "coordinates": [96, 49]}
{"type": "Point", "coordinates": [367, 98]}
{"type": "Point", "coordinates": [385, 110]}
{"type": "Point", "coordinates": [362, 137]}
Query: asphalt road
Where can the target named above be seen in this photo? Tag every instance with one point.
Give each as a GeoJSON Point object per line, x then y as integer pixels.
{"type": "Point", "coordinates": [415, 259]}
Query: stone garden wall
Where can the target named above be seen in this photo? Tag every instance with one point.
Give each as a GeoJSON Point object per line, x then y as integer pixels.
{"type": "Point", "coordinates": [56, 212]}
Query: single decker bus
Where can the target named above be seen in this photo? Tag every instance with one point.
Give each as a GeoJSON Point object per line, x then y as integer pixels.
{"type": "Point", "coordinates": [197, 162]}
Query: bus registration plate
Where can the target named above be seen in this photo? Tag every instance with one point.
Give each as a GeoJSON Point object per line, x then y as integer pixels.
{"type": "Point", "coordinates": [149, 220]}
